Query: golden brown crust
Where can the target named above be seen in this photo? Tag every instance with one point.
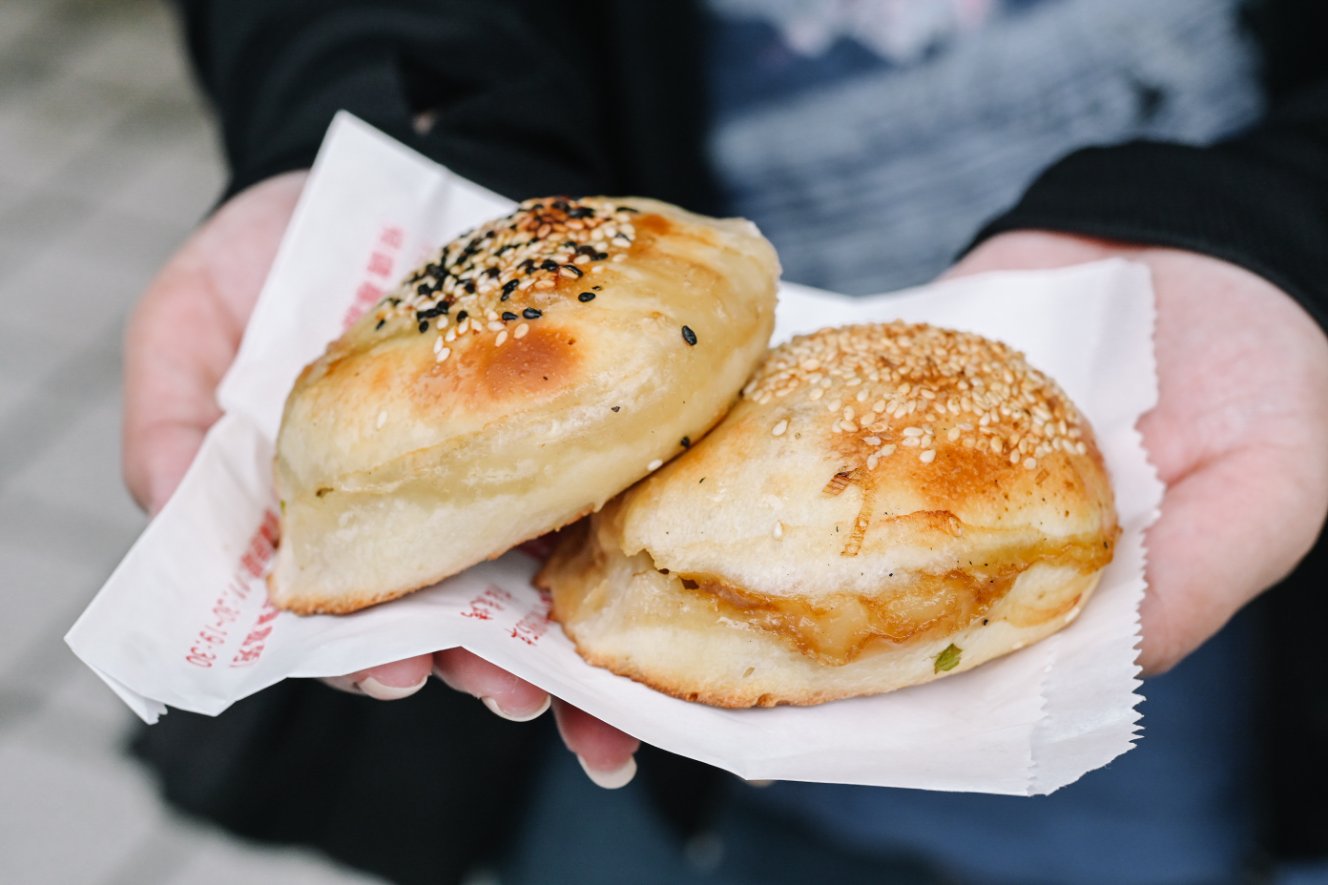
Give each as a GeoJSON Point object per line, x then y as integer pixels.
{"type": "Point", "coordinates": [524, 376]}
{"type": "Point", "coordinates": [879, 489]}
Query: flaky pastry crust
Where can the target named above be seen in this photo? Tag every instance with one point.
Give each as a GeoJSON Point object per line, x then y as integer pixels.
{"type": "Point", "coordinates": [888, 503]}
{"type": "Point", "coordinates": [535, 368]}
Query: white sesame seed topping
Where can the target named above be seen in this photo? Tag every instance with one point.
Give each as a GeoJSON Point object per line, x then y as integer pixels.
{"type": "Point", "coordinates": [521, 331]}
{"type": "Point", "coordinates": [779, 530]}
{"type": "Point", "coordinates": [382, 419]}
{"type": "Point", "coordinates": [925, 386]}
{"type": "Point", "coordinates": [927, 456]}
{"type": "Point", "coordinates": [501, 339]}
{"type": "Point", "coordinates": [655, 465]}
{"type": "Point", "coordinates": [444, 354]}
{"type": "Point", "coordinates": [779, 428]}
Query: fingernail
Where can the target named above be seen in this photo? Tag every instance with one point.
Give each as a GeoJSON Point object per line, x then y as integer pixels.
{"type": "Point", "coordinates": [383, 692]}
{"type": "Point", "coordinates": [516, 717]}
{"type": "Point", "coordinates": [611, 780]}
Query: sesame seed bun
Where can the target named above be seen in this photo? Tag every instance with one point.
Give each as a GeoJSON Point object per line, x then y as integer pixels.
{"type": "Point", "coordinates": [535, 368]}
{"type": "Point", "coordinates": [886, 505]}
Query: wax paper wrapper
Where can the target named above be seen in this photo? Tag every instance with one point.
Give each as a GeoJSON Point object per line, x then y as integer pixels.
{"type": "Point", "coordinates": [184, 620]}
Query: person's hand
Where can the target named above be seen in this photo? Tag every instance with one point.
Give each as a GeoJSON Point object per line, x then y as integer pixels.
{"type": "Point", "coordinates": [181, 339]}
{"type": "Point", "coordinates": [1239, 433]}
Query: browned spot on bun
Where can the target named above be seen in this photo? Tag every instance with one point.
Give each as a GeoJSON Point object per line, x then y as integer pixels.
{"type": "Point", "coordinates": [542, 361]}
{"type": "Point", "coordinates": [653, 226]}
{"type": "Point", "coordinates": [966, 473]}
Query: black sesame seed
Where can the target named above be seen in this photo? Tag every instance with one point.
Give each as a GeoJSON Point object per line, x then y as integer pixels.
{"type": "Point", "coordinates": [531, 313]}
{"type": "Point", "coordinates": [509, 287]}
{"type": "Point", "coordinates": [424, 325]}
{"type": "Point", "coordinates": [575, 271]}
{"type": "Point", "coordinates": [423, 289]}
{"type": "Point", "coordinates": [686, 442]}
{"type": "Point", "coordinates": [461, 315]}
{"type": "Point", "coordinates": [600, 256]}
{"type": "Point", "coordinates": [508, 316]}
{"type": "Point", "coordinates": [470, 286]}
{"type": "Point", "coordinates": [598, 288]}
{"type": "Point", "coordinates": [581, 212]}
{"type": "Point", "coordinates": [688, 335]}
{"type": "Point", "coordinates": [380, 325]}
{"type": "Point", "coordinates": [585, 250]}
{"type": "Point", "coordinates": [586, 296]}
{"type": "Point", "coordinates": [628, 209]}
{"type": "Point", "coordinates": [492, 272]}
{"type": "Point", "coordinates": [614, 408]}
{"type": "Point", "coordinates": [549, 264]}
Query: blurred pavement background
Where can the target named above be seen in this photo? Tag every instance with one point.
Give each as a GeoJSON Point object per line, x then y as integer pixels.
{"type": "Point", "coordinates": [107, 160]}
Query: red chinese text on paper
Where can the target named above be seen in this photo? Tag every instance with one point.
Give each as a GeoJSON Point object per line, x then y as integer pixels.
{"type": "Point", "coordinates": [493, 600]}
{"type": "Point", "coordinates": [229, 605]}
{"type": "Point", "coordinates": [380, 273]}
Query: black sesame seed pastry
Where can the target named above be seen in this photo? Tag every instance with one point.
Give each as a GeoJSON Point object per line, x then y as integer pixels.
{"type": "Point", "coordinates": [887, 504]}
{"type": "Point", "coordinates": [533, 369]}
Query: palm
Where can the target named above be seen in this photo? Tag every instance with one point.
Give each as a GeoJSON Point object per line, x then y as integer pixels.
{"type": "Point", "coordinates": [1238, 433]}
{"type": "Point", "coordinates": [185, 332]}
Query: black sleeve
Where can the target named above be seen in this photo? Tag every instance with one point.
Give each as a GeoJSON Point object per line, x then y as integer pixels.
{"type": "Point", "coordinates": [509, 102]}
{"type": "Point", "coordinates": [1259, 200]}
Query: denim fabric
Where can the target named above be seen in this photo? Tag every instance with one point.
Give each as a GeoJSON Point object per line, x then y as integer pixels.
{"type": "Point", "coordinates": [870, 173]}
